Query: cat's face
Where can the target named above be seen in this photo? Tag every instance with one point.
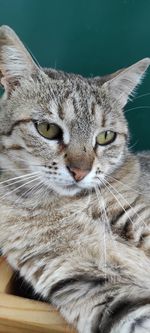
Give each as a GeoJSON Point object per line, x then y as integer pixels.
{"type": "Point", "coordinates": [68, 129]}
{"type": "Point", "coordinates": [68, 134]}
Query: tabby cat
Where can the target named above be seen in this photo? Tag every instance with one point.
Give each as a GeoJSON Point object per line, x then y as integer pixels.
{"type": "Point", "coordinates": [74, 201]}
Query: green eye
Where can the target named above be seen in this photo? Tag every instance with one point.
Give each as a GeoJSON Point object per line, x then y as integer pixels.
{"type": "Point", "coordinates": [49, 131]}
{"type": "Point", "coordinates": [106, 138]}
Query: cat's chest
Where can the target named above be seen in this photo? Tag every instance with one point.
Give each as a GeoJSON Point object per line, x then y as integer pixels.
{"type": "Point", "coordinates": [53, 229]}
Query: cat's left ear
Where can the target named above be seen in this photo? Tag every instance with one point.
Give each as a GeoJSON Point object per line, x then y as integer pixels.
{"type": "Point", "coordinates": [122, 86]}
{"type": "Point", "coordinates": [16, 62]}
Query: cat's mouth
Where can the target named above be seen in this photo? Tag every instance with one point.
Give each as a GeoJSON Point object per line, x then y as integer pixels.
{"type": "Point", "coordinates": [70, 186]}
{"type": "Point", "coordinates": [67, 189]}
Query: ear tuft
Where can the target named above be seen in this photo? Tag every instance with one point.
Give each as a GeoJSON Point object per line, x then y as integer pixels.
{"type": "Point", "coordinates": [123, 85]}
{"type": "Point", "coordinates": [15, 61]}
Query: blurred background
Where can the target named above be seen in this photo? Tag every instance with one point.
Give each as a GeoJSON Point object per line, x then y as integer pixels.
{"type": "Point", "coordinates": [90, 37]}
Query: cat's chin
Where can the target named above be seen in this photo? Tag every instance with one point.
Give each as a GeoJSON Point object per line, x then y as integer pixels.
{"type": "Point", "coordinates": [68, 190]}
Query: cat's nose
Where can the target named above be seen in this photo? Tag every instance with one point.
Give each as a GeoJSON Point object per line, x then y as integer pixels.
{"type": "Point", "coordinates": [77, 173]}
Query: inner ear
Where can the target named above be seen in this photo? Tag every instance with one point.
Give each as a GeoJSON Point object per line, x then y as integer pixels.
{"type": "Point", "coordinates": [16, 62]}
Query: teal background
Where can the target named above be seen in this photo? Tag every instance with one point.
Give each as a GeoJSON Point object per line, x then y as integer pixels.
{"type": "Point", "coordinates": [90, 37]}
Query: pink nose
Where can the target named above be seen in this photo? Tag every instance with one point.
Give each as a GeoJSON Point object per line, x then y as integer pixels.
{"type": "Point", "coordinates": [78, 174]}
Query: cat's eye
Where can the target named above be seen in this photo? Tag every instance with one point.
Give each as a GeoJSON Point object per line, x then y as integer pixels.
{"type": "Point", "coordinates": [105, 138]}
{"type": "Point", "coordinates": [49, 131]}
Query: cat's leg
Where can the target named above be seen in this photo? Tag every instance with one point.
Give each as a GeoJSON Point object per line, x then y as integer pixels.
{"type": "Point", "coordinates": [137, 321]}
{"type": "Point", "coordinates": [89, 299]}
{"type": "Point", "coordinates": [115, 301]}
{"type": "Point", "coordinates": [99, 307]}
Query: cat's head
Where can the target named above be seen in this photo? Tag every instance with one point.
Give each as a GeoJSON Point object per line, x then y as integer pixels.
{"type": "Point", "coordinates": [70, 130]}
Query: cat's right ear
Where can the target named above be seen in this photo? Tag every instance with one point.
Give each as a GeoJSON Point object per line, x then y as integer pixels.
{"type": "Point", "coordinates": [15, 61]}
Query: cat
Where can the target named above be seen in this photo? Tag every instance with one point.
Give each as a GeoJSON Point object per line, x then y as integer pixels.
{"type": "Point", "coordinates": [74, 200]}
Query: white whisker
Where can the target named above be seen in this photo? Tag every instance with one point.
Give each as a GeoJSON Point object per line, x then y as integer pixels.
{"type": "Point", "coordinates": [17, 169]}
{"type": "Point", "coordinates": [138, 107]}
{"type": "Point", "coordinates": [104, 233]}
{"type": "Point", "coordinates": [127, 203]}
{"type": "Point", "coordinates": [40, 195]}
{"type": "Point", "coordinates": [120, 204]}
{"type": "Point", "coordinates": [133, 145]}
{"type": "Point", "coordinates": [4, 196]}
{"type": "Point", "coordinates": [18, 177]}
{"type": "Point", "coordinates": [143, 95]}
{"type": "Point", "coordinates": [125, 185]}
{"type": "Point", "coordinates": [30, 190]}
{"type": "Point", "coordinates": [112, 236]}
{"type": "Point", "coordinates": [19, 180]}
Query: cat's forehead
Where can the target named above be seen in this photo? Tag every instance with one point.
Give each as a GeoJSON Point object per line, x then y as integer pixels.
{"type": "Point", "coordinates": [75, 88]}
{"type": "Point", "coordinates": [70, 99]}
{"type": "Point", "coordinates": [75, 100]}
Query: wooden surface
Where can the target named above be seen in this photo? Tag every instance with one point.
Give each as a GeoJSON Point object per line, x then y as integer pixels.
{"type": "Point", "coordinates": [20, 315]}
{"type": "Point", "coordinates": [5, 276]}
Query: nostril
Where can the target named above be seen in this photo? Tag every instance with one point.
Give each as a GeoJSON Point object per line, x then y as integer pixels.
{"type": "Point", "coordinates": [71, 171]}
{"type": "Point", "coordinates": [68, 168]}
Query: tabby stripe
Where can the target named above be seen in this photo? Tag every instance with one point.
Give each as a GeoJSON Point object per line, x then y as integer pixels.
{"type": "Point", "coordinates": [59, 286]}
{"type": "Point", "coordinates": [122, 212]}
{"type": "Point", "coordinates": [26, 120]}
{"type": "Point", "coordinates": [116, 218]}
{"type": "Point", "coordinates": [142, 210]}
{"type": "Point", "coordinates": [108, 299]}
{"type": "Point", "coordinates": [118, 310]}
{"type": "Point", "coordinates": [115, 312]}
{"type": "Point", "coordinates": [14, 147]}
{"type": "Point", "coordinates": [125, 232]}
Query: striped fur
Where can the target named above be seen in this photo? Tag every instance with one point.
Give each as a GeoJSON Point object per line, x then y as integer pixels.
{"type": "Point", "coordinates": [84, 246]}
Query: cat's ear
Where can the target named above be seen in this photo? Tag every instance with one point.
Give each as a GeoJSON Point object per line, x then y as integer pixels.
{"type": "Point", "coordinates": [15, 61]}
{"type": "Point", "coordinates": [123, 85]}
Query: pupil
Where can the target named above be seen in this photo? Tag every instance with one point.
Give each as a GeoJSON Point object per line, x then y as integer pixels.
{"type": "Point", "coordinates": [48, 127]}
{"type": "Point", "coordinates": [105, 135]}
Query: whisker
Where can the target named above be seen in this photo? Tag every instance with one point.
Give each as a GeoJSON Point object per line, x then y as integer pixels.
{"type": "Point", "coordinates": [106, 219]}
{"type": "Point", "coordinates": [134, 145]}
{"type": "Point", "coordinates": [54, 97]}
{"type": "Point", "coordinates": [19, 198]}
{"type": "Point", "coordinates": [143, 95]}
{"type": "Point", "coordinates": [18, 177]}
{"type": "Point", "coordinates": [17, 169]}
{"type": "Point", "coordinates": [120, 204]}
{"type": "Point", "coordinates": [4, 196]}
{"type": "Point", "coordinates": [28, 191]}
{"type": "Point", "coordinates": [104, 233]}
{"type": "Point", "coordinates": [127, 203]}
{"type": "Point", "coordinates": [138, 107]}
{"type": "Point", "coordinates": [19, 180]}
{"type": "Point", "coordinates": [127, 186]}
{"type": "Point", "coordinates": [40, 195]}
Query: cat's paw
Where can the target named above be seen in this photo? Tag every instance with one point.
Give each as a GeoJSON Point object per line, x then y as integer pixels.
{"type": "Point", "coordinates": [134, 322]}
{"type": "Point", "coordinates": [141, 326]}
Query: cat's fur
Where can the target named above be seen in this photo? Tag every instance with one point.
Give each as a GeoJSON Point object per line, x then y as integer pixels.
{"type": "Point", "coordinates": [84, 246]}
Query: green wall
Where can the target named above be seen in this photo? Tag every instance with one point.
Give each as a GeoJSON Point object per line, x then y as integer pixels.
{"type": "Point", "coordinates": [90, 37]}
